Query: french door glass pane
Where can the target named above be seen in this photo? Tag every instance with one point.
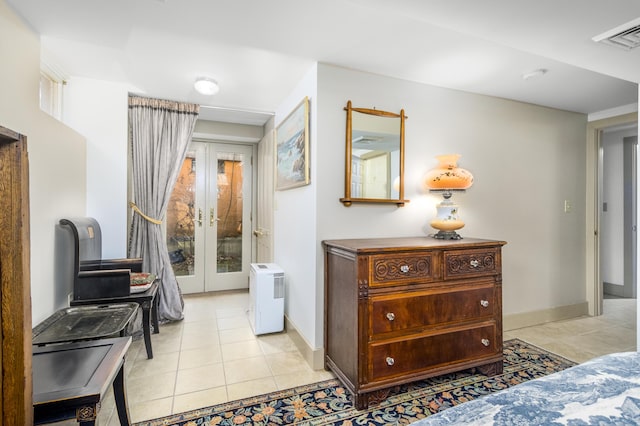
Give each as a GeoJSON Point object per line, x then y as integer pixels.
{"type": "Point", "coordinates": [181, 213]}
{"type": "Point", "coordinates": [229, 207]}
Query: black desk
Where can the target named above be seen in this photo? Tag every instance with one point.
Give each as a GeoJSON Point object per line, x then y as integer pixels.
{"type": "Point", "coordinates": [71, 379]}
{"type": "Point", "coordinates": [147, 301]}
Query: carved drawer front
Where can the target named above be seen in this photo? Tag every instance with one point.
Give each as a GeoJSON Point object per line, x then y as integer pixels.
{"type": "Point", "coordinates": [471, 263]}
{"type": "Point", "coordinates": [404, 312]}
{"type": "Point", "coordinates": [401, 268]}
{"type": "Point", "coordinates": [412, 355]}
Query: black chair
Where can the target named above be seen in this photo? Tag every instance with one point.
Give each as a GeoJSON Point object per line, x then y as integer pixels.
{"type": "Point", "coordinates": [99, 281]}
{"type": "Point", "coordinates": [95, 277]}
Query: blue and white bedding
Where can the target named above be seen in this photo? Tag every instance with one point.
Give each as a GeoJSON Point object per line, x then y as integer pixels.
{"type": "Point", "coordinates": [602, 391]}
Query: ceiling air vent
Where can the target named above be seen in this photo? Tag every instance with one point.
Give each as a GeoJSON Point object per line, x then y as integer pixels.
{"type": "Point", "coordinates": [626, 36]}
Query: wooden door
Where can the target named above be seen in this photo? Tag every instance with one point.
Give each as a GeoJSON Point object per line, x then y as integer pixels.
{"type": "Point", "coordinates": [264, 224]}
{"type": "Point", "coordinates": [15, 309]}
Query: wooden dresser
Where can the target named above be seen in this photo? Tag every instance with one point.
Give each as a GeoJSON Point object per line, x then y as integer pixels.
{"type": "Point", "coordinates": [399, 310]}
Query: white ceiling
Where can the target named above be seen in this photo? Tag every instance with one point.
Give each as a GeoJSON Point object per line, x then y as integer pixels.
{"type": "Point", "coordinates": [259, 49]}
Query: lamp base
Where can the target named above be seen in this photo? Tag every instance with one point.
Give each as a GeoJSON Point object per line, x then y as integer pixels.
{"type": "Point", "coordinates": [446, 235]}
{"type": "Point", "coordinates": [447, 220]}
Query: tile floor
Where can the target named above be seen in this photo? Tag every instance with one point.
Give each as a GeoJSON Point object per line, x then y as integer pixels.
{"type": "Point", "coordinates": [581, 339]}
{"type": "Point", "coordinates": [212, 356]}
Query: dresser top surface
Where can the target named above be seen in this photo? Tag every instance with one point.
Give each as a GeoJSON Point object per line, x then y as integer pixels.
{"type": "Point", "coordinates": [409, 243]}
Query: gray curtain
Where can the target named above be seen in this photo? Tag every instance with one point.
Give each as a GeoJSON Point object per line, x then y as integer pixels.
{"type": "Point", "coordinates": [160, 134]}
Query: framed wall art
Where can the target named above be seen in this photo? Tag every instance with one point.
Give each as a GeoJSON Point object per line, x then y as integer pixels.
{"type": "Point", "coordinates": [292, 148]}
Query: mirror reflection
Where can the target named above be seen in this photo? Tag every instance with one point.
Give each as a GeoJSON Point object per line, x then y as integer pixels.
{"type": "Point", "coordinates": [374, 156]}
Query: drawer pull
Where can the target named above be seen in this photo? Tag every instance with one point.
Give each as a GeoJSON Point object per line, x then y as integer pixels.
{"type": "Point", "coordinates": [391, 316]}
{"type": "Point", "coordinates": [474, 263]}
{"type": "Point", "coordinates": [485, 342]}
{"type": "Point", "coordinates": [484, 303]}
{"type": "Point", "coordinates": [404, 269]}
{"type": "Point", "coordinates": [390, 361]}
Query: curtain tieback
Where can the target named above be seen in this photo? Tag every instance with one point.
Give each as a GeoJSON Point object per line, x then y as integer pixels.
{"type": "Point", "coordinates": [137, 210]}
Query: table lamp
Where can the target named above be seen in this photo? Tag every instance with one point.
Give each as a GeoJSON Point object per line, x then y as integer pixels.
{"type": "Point", "coordinates": [447, 178]}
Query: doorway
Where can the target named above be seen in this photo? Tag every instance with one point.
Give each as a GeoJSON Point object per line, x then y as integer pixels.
{"type": "Point", "coordinates": [208, 226]}
{"type": "Point", "coordinates": [594, 212]}
{"type": "Point", "coordinates": [618, 217]}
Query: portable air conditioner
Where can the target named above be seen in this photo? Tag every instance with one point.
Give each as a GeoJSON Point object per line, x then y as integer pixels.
{"type": "Point", "coordinates": [266, 298]}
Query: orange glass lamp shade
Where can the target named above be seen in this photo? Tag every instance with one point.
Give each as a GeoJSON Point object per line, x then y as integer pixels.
{"type": "Point", "coordinates": [447, 178]}
{"type": "Point", "coordinates": [447, 174]}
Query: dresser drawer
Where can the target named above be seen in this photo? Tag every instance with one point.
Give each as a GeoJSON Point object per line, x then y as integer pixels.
{"type": "Point", "coordinates": [411, 311]}
{"type": "Point", "coordinates": [397, 358]}
{"type": "Point", "coordinates": [471, 263]}
{"type": "Point", "coordinates": [401, 268]}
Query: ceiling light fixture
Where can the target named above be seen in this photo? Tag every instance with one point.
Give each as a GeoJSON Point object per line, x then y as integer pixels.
{"type": "Point", "coordinates": [534, 74]}
{"type": "Point", "coordinates": [206, 86]}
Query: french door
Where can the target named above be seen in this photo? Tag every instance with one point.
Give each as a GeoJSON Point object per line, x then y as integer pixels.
{"type": "Point", "coordinates": [209, 218]}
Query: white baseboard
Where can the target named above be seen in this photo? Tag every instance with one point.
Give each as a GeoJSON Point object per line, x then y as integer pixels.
{"type": "Point", "coordinates": [314, 357]}
{"type": "Point", "coordinates": [528, 319]}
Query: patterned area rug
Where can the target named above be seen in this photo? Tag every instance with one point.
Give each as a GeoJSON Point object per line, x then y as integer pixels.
{"type": "Point", "coordinates": [328, 403]}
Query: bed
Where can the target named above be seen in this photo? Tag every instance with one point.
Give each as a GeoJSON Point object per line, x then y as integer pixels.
{"type": "Point", "coordinates": [602, 391]}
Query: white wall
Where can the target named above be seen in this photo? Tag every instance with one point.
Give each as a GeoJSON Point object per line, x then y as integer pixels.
{"type": "Point", "coordinates": [295, 222]}
{"type": "Point", "coordinates": [57, 156]}
{"type": "Point", "coordinates": [99, 110]}
{"type": "Point", "coordinates": [526, 161]}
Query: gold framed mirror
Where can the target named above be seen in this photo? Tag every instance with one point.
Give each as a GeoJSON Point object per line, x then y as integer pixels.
{"type": "Point", "coordinates": [374, 157]}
